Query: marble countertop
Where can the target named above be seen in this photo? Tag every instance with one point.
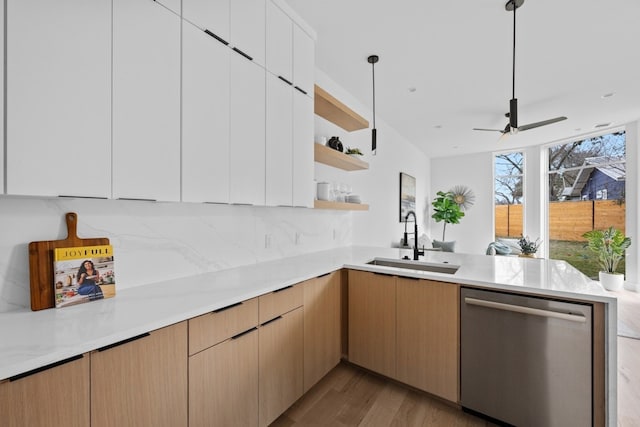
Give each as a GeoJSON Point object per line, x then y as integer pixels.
{"type": "Point", "coordinates": [30, 340]}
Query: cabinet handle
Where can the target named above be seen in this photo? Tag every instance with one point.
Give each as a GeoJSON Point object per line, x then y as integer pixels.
{"type": "Point", "coordinates": [135, 199]}
{"type": "Point", "coordinates": [384, 274]}
{"type": "Point", "coordinates": [44, 368]}
{"type": "Point", "coordinates": [271, 321]}
{"type": "Point", "coordinates": [285, 80]}
{"type": "Point", "coordinates": [242, 53]}
{"type": "Point", "coordinates": [227, 307]}
{"type": "Point", "coordinates": [220, 39]}
{"type": "Point", "coordinates": [81, 197]}
{"type": "Point", "coordinates": [300, 89]}
{"type": "Point", "coordinates": [128, 340]}
{"type": "Point", "coordinates": [248, 331]}
{"type": "Point", "coordinates": [283, 289]}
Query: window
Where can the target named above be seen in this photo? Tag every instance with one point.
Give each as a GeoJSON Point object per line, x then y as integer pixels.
{"type": "Point", "coordinates": [508, 194]}
{"type": "Point", "coordinates": [586, 191]}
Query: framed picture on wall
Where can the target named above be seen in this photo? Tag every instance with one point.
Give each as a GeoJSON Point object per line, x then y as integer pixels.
{"type": "Point", "coordinates": [407, 195]}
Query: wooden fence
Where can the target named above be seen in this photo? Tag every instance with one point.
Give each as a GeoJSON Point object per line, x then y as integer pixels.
{"type": "Point", "coordinates": [567, 220]}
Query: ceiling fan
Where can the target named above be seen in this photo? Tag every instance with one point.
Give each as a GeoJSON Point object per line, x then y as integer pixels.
{"type": "Point", "coordinates": [512, 127]}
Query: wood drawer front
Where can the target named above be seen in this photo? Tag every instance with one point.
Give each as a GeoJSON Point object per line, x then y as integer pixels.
{"type": "Point", "coordinates": [279, 302]}
{"type": "Point", "coordinates": [212, 328]}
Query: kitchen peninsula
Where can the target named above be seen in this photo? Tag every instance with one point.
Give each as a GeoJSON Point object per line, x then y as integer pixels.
{"type": "Point", "coordinates": [32, 340]}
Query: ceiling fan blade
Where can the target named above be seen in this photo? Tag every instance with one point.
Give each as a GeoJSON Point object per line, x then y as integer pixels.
{"type": "Point", "coordinates": [542, 123]}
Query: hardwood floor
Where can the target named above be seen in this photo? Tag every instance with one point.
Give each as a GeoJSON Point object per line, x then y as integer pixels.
{"type": "Point", "coordinates": [350, 396]}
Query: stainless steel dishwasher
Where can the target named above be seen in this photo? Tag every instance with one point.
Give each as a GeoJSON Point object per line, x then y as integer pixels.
{"type": "Point", "coordinates": [526, 361]}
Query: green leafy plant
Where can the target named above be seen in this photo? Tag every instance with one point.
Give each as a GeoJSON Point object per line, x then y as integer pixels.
{"type": "Point", "coordinates": [610, 245]}
{"type": "Point", "coordinates": [445, 209]}
{"type": "Point", "coordinates": [527, 246]}
{"type": "Point", "coordinates": [354, 151]}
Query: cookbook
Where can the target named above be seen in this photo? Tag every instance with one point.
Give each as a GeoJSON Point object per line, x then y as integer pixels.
{"type": "Point", "coordinates": [82, 274]}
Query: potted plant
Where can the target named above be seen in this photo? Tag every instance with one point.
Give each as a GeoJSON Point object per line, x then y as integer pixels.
{"type": "Point", "coordinates": [445, 209]}
{"type": "Point", "coordinates": [528, 248]}
{"type": "Point", "coordinates": [610, 245]}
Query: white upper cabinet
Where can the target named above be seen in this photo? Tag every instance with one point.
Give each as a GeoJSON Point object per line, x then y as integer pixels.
{"type": "Point", "coordinates": [279, 42]}
{"type": "Point", "coordinates": [209, 15]}
{"type": "Point", "coordinates": [205, 117]}
{"type": "Point", "coordinates": [173, 5]}
{"type": "Point", "coordinates": [302, 148]}
{"type": "Point", "coordinates": [146, 101]}
{"type": "Point", "coordinates": [247, 132]}
{"type": "Point", "coordinates": [2, 97]}
{"type": "Point", "coordinates": [303, 60]}
{"type": "Point", "coordinates": [247, 30]}
{"type": "Point", "coordinates": [58, 98]}
{"type": "Point", "coordinates": [279, 156]}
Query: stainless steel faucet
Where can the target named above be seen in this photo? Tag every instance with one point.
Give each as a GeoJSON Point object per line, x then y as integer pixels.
{"type": "Point", "coordinates": [416, 251]}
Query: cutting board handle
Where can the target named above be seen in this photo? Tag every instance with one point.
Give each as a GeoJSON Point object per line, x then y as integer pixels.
{"type": "Point", "coordinates": [72, 225]}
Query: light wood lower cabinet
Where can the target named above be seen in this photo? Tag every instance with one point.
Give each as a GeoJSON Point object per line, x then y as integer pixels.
{"type": "Point", "coordinates": [372, 321]}
{"type": "Point", "coordinates": [223, 383]}
{"type": "Point", "coordinates": [281, 365]}
{"type": "Point", "coordinates": [428, 336]}
{"type": "Point", "coordinates": [322, 337]}
{"type": "Point", "coordinates": [141, 382]}
{"type": "Point", "coordinates": [57, 396]}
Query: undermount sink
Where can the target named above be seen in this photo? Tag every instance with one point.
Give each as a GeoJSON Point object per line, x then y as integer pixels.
{"type": "Point", "coordinates": [416, 265]}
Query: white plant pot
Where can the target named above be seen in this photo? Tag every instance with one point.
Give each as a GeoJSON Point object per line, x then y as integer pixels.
{"type": "Point", "coordinates": [611, 281]}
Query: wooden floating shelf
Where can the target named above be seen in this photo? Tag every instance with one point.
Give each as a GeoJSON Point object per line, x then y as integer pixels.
{"type": "Point", "coordinates": [328, 107]}
{"type": "Point", "coordinates": [324, 204]}
{"type": "Point", "coordinates": [331, 157]}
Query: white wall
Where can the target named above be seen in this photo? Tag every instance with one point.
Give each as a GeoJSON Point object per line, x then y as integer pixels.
{"type": "Point", "coordinates": [379, 186]}
{"type": "Point", "coordinates": [159, 241]}
{"type": "Point", "coordinates": [475, 231]}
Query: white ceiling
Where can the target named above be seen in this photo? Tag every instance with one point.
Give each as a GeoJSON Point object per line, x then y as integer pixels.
{"type": "Point", "coordinates": [457, 55]}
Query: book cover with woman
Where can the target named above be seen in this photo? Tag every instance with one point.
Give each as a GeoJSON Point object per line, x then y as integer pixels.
{"type": "Point", "coordinates": [83, 274]}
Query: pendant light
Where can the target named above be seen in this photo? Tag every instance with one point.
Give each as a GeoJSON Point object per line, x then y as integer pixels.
{"type": "Point", "coordinates": [372, 60]}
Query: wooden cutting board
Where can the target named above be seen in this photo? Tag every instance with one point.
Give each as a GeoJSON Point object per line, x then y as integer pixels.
{"type": "Point", "coordinates": [41, 273]}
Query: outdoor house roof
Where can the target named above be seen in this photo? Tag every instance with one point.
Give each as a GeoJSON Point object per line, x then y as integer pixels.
{"type": "Point", "coordinates": [613, 167]}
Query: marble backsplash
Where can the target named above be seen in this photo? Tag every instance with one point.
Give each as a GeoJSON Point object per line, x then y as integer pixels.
{"type": "Point", "coordinates": [155, 241]}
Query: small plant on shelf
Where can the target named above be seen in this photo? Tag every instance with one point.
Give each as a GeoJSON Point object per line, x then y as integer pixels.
{"type": "Point", "coordinates": [354, 151]}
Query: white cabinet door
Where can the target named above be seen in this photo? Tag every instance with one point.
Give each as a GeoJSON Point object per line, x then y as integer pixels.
{"type": "Point", "coordinates": [303, 164]}
{"type": "Point", "coordinates": [58, 102]}
{"type": "Point", "coordinates": [247, 132]}
{"type": "Point", "coordinates": [2, 190]}
{"type": "Point", "coordinates": [279, 42]}
{"type": "Point", "coordinates": [303, 60]}
{"type": "Point", "coordinates": [247, 31]}
{"type": "Point", "coordinates": [211, 15]}
{"type": "Point", "coordinates": [146, 101]}
{"type": "Point", "coordinates": [172, 5]}
{"type": "Point", "coordinates": [279, 156]}
{"type": "Point", "coordinates": [205, 117]}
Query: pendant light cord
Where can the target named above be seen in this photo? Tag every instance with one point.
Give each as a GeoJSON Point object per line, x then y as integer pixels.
{"type": "Point", "coordinates": [513, 81]}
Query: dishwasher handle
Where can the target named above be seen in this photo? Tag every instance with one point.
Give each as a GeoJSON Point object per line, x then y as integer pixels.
{"type": "Point", "coordinates": [525, 310]}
